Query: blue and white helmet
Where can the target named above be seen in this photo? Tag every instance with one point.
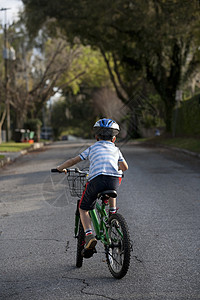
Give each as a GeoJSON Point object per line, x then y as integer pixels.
{"type": "Point", "coordinates": [106, 127]}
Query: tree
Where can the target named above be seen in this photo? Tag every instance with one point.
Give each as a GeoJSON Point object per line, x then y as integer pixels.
{"type": "Point", "coordinates": [107, 104]}
{"type": "Point", "coordinates": [43, 67]}
{"type": "Point", "coordinates": [168, 50]}
{"type": "Point", "coordinates": [138, 39]}
{"type": "Point", "coordinates": [2, 118]}
{"type": "Point", "coordinates": [73, 114]}
{"type": "Point", "coordinates": [51, 72]}
{"type": "Point", "coordinates": [95, 34]}
{"type": "Point", "coordinates": [58, 117]}
{"type": "Point", "coordinates": [2, 90]}
{"type": "Point", "coordinates": [2, 98]}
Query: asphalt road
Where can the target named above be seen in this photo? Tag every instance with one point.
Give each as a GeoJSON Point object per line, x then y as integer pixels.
{"type": "Point", "coordinates": [160, 198]}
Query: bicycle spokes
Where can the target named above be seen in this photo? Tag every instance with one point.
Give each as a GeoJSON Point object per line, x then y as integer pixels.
{"type": "Point", "coordinates": [118, 251]}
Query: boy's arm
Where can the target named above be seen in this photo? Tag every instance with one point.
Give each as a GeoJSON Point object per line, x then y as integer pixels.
{"type": "Point", "coordinates": [123, 165]}
{"type": "Point", "coordinates": [69, 163]}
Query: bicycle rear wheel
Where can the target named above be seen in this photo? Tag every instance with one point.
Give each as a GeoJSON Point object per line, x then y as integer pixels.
{"type": "Point", "coordinates": [80, 245]}
{"type": "Point", "coordinates": [119, 251]}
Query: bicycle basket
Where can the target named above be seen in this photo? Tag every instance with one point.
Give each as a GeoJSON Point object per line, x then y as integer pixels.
{"type": "Point", "coordinates": [76, 183]}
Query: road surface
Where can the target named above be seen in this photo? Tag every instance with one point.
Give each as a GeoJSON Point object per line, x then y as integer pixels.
{"type": "Point", "coordinates": [160, 198]}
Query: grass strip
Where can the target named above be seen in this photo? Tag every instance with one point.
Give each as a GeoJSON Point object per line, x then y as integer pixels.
{"type": "Point", "coordinates": [13, 147]}
{"type": "Point", "coordinates": [190, 144]}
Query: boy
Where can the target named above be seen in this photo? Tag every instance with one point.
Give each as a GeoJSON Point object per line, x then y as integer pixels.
{"type": "Point", "coordinates": [105, 172]}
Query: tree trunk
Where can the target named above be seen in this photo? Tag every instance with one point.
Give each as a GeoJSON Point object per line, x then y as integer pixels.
{"type": "Point", "coordinates": [133, 126]}
{"type": "Point", "coordinates": [169, 106]}
{"type": "Point", "coordinates": [1, 123]}
{"type": "Point", "coordinates": [19, 120]}
{"type": "Point", "coordinates": [133, 120]}
{"type": "Point", "coordinates": [0, 135]}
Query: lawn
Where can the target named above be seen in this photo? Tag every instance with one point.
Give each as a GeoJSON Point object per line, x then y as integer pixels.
{"type": "Point", "coordinates": [13, 147]}
{"type": "Point", "coordinates": [191, 144]}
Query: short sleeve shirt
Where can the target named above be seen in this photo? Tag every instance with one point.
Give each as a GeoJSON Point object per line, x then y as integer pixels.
{"type": "Point", "coordinates": [104, 158]}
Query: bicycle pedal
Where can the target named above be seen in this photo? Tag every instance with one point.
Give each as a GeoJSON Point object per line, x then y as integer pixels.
{"type": "Point", "coordinates": [87, 253]}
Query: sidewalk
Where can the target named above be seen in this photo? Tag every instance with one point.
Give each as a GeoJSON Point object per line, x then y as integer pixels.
{"type": "Point", "coordinates": [12, 156]}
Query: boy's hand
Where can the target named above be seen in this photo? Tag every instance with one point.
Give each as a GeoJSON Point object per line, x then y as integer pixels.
{"type": "Point", "coordinates": [63, 170]}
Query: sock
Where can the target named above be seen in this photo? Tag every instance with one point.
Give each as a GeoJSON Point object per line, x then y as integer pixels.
{"type": "Point", "coordinates": [112, 210]}
{"type": "Point", "coordinates": [88, 231]}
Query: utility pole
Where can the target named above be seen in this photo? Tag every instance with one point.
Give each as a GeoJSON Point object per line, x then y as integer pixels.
{"type": "Point", "coordinates": [6, 57]}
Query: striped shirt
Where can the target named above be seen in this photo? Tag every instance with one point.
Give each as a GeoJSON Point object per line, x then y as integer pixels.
{"type": "Point", "coordinates": [104, 157]}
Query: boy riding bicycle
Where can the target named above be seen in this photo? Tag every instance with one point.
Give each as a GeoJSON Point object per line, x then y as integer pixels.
{"type": "Point", "coordinates": [105, 172]}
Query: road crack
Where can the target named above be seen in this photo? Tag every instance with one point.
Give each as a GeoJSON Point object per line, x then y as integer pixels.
{"type": "Point", "coordinates": [92, 294]}
{"type": "Point", "coordinates": [87, 285]}
{"type": "Point", "coordinates": [67, 246]}
{"type": "Point", "coordinates": [138, 260]}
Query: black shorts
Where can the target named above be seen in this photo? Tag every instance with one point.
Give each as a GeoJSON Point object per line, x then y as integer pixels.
{"type": "Point", "coordinates": [97, 185]}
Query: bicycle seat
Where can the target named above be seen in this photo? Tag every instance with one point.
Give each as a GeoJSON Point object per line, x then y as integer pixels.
{"type": "Point", "coordinates": [110, 193]}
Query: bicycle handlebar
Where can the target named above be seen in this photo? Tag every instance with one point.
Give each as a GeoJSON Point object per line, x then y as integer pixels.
{"type": "Point", "coordinates": [55, 171]}
{"type": "Point", "coordinates": [75, 170]}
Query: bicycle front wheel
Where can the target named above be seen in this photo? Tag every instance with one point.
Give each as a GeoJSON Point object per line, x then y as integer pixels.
{"type": "Point", "coordinates": [80, 245]}
{"type": "Point", "coordinates": [119, 251]}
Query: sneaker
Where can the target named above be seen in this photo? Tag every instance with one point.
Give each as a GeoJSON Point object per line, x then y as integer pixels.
{"type": "Point", "coordinates": [90, 241]}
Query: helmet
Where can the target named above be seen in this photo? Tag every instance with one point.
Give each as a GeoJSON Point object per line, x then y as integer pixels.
{"type": "Point", "coordinates": [106, 128]}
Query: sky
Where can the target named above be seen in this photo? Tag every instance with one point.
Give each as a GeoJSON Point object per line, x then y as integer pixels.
{"type": "Point", "coordinates": [14, 6]}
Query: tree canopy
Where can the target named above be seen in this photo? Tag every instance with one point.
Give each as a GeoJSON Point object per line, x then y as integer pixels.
{"type": "Point", "coordinates": [141, 41]}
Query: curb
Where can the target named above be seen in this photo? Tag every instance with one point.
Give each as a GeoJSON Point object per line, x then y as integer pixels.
{"type": "Point", "coordinates": [16, 155]}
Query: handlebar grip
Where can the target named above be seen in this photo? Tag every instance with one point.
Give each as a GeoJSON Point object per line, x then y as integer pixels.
{"type": "Point", "coordinates": [55, 171]}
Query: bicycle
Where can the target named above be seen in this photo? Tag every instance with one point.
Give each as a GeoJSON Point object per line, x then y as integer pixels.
{"type": "Point", "coordinates": [111, 230]}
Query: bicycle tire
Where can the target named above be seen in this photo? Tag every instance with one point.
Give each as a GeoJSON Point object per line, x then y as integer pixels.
{"type": "Point", "coordinates": [118, 253]}
{"type": "Point", "coordinates": [80, 246]}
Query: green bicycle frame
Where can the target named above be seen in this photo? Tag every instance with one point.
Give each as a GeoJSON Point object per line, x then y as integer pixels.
{"type": "Point", "coordinates": [99, 224]}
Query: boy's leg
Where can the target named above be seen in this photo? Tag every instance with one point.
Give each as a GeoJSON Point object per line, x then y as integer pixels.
{"type": "Point", "coordinates": [85, 219]}
{"type": "Point", "coordinates": [86, 222]}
